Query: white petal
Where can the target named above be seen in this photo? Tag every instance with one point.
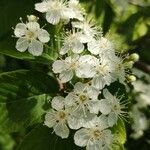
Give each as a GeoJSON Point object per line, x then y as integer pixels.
{"type": "Point", "coordinates": [22, 44]}
{"type": "Point", "coordinates": [35, 48]}
{"type": "Point", "coordinates": [41, 7]}
{"type": "Point", "coordinates": [98, 82]}
{"type": "Point", "coordinates": [102, 122]}
{"type": "Point", "coordinates": [93, 47]}
{"type": "Point", "coordinates": [79, 87]}
{"type": "Point", "coordinates": [70, 99]}
{"type": "Point", "coordinates": [94, 145]}
{"type": "Point", "coordinates": [93, 92]}
{"type": "Point", "coordinates": [58, 66]}
{"type": "Point", "coordinates": [53, 17]}
{"type": "Point", "coordinates": [112, 119]}
{"type": "Point", "coordinates": [43, 36]}
{"type": "Point", "coordinates": [66, 76]}
{"type": "Point", "coordinates": [74, 122]}
{"type": "Point", "coordinates": [104, 106]}
{"type": "Point", "coordinates": [61, 130]}
{"type": "Point", "coordinates": [58, 103]}
{"type": "Point", "coordinates": [77, 47]}
{"type": "Point", "coordinates": [65, 48]}
{"type": "Point", "coordinates": [50, 119]}
{"type": "Point", "coordinates": [33, 26]}
{"type": "Point", "coordinates": [81, 137]}
{"type": "Point", "coordinates": [94, 106]}
{"type": "Point", "coordinates": [107, 94]}
{"type": "Point", "coordinates": [20, 29]}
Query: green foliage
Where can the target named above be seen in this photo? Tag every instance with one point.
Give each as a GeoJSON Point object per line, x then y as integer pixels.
{"type": "Point", "coordinates": [22, 98]}
{"type": "Point", "coordinates": [43, 138]}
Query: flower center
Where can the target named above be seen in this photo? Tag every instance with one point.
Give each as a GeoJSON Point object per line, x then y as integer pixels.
{"type": "Point", "coordinates": [30, 35]}
{"type": "Point", "coordinates": [102, 69]}
{"type": "Point", "coordinates": [83, 98]}
{"type": "Point", "coordinates": [96, 134]}
{"type": "Point", "coordinates": [61, 115]}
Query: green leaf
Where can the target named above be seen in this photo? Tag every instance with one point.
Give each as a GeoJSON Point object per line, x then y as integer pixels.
{"type": "Point", "coordinates": [108, 17]}
{"type": "Point", "coordinates": [23, 95]}
{"type": "Point", "coordinates": [43, 138]}
{"type": "Point", "coordinates": [119, 131]}
{"type": "Point", "coordinates": [6, 142]}
{"type": "Point", "coordinates": [19, 114]}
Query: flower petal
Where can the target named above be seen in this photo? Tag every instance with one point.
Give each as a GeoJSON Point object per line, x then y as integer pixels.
{"type": "Point", "coordinates": [53, 17]}
{"type": "Point", "coordinates": [58, 66]}
{"type": "Point", "coordinates": [43, 36]}
{"type": "Point", "coordinates": [50, 119]}
{"type": "Point", "coordinates": [61, 130]}
{"type": "Point", "coordinates": [104, 106]}
{"type": "Point", "coordinates": [41, 7]}
{"type": "Point", "coordinates": [22, 44]}
{"type": "Point", "coordinates": [79, 87]}
{"type": "Point", "coordinates": [33, 26]}
{"type": "Point", "coordinates": [58, 102]}
{"type": "Point", "coordinates": [77, 47]}
{"type": "Point", "coordinates": [107, 94]}
{"type": "Point", "coordinates": [81, 137]}
{"type": "Point", "coordinates": [20, 29]}
{"type": "Point", "coordinates": [112, 119]}
{"type": "Point", "coordinates": [35, 48]}
{"type": "Point", "coordinates": [94, 106]}
{"type": "Point", "coordinates": [66, 76]}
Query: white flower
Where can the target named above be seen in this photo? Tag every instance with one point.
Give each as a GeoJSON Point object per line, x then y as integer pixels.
{"type": "Point", "coordinates": [83, 98]}
{"type": "Point", "coordinates": [88, 28]}
{"type": "Point", "coordinates": [112, 107]}
{"type": "Point", "coordinates": [31, 37]}
{"type": "Point", "coordinates": [57, 117]}
{"type": "Point", "coordinates": [95, 137]}
{"type": "Point", "coordinates": [72, 42]}
{"type": "Point", "coordinates": [55, 10]}
{"type": "Point", "coordinates": [119, 72]}
{"type": "Point", "coordinates": [102, 47]}
{"type": "Point", "coordinates": [75, 10]}
{"type": "Point", "coordinates": [66, 68]}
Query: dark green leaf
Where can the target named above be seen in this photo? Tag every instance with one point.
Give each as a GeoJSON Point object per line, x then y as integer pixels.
{"type": "Point", "coordinates": [43, 138]}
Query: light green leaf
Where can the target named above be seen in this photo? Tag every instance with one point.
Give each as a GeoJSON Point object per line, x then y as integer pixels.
{"type": "Point", "coordinates": [119, 131]}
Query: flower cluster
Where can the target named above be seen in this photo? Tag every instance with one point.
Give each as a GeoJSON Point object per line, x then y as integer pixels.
{"type": "Point", "coordinates": [89, 61]}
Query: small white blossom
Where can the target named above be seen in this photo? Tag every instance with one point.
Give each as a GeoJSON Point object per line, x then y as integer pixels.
{"type": "Point", "coordinates": [73, 42]}
{"type": "Point", "coordinates": [31, 37]}
{"type": "Point", "coordinates": [84, 97]}
{"type": "Point", "coordinates": [57, 117]}
{"type": "Point", "coordinates": [55, 10]}
{"type": "Point", "coordinates": [102, 47]}
{"type": "Point", "coordinates": [75, 10]}
{"type": "Point", "coordinates": [66, 68]}
{"type": "Point", "coordinates": [88, 28]}
{"type": "Point", "coordinates": [112, 107]}
{"type": "Point", "coordinates": [94, 137]}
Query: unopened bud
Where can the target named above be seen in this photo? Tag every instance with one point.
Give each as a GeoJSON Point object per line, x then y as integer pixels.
{"type": "Point", "coordinates": [32, 18]}
{"type": "Point", "coordinates": [134, 57]}
{"type": "Point", "coordinates": [131, 78]}
{"type": "Point", "coordinates": [129, 64]}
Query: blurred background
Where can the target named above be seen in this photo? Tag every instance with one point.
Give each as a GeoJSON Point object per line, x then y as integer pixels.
{"type": "Point", "coordinates": [125, 22]}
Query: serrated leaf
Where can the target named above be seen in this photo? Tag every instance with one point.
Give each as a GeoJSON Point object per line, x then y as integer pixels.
{"type": "Point", "coordinates": [43, 138]}
{"type": "Point", "coordinates": [22, 98]}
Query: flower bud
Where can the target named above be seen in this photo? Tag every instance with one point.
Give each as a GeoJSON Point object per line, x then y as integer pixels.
{"type": "Point", "coordinates": [131, 78]}
{"type": "Point", "coordinates": [134, 57]}
{"type": "Point", "coordinates": [32, 18]}
{"type": "Point", "coordinates": [129, 64]}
